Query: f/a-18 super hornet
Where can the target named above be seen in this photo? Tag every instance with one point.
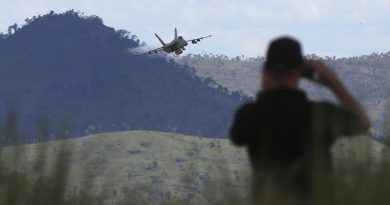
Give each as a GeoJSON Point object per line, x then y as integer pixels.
{"type": "Point", "coordinates": [177, 45]}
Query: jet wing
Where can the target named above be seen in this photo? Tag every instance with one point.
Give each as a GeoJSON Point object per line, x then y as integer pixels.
{"type": "Point", "coordinates": [196, 40]}
{"type": "Point", "coordinates": [152, 51]}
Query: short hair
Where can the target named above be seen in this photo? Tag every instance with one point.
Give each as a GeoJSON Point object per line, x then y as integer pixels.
{"type": "Point", "coordinates": [284, 55]}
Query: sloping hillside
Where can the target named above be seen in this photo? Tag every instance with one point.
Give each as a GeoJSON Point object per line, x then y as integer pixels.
{"type": "Point", "coordinates": [78, 73]}
{"type": "Point", "coordinates": [159, 166]}
{"type": "Point", "coordinates": [156, 165]}
{"type": "Point", "coordinates": [366, 76]}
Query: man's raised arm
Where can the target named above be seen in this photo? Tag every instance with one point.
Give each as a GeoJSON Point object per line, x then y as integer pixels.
{"type": "Point", "coordinates": [329, 78]}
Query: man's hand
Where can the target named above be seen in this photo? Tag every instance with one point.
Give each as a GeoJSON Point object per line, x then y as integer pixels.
{"type": "Point", "coordinates": [326, 76]}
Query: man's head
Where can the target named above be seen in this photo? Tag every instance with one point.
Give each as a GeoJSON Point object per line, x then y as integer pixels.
{"type": "Point", "coordinates": [284, 63]}
{"type": "Point", "coordinates": [284, 55]}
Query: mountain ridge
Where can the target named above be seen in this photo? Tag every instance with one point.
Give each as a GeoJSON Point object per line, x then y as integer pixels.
{"type": "Point", "coordinates": [78, 73]}
{"type": "Point", "coordinates": [367, 78]}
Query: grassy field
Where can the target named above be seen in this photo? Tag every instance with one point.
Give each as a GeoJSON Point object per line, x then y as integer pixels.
{"type": "Point", "coordinates": [143, 167]}
{"type": "Point", "coordinates": [158, 165]}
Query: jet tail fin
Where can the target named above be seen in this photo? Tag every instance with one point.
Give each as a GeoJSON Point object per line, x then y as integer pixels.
{"type": "Point", "coordinates": [175, 33]}
{"type": "Point", "coordinates": [161, 41]}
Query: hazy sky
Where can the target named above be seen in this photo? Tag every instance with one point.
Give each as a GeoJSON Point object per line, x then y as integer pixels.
{"type": "Point", "coordinates": [325, 27]}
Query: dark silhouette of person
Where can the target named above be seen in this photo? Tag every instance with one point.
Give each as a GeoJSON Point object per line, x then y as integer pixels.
{"type": "Point", "coordinates": [284, 132]}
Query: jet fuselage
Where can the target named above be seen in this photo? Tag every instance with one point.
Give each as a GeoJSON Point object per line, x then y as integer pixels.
{"type": "Point", "coordinates": [176, 45]}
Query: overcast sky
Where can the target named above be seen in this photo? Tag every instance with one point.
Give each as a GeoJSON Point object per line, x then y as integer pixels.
{"type": "Point", "coordinates": [325, 27]}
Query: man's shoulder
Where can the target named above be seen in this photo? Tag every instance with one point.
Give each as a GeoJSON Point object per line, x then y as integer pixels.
{"type": "Point", "coordinates": [246, 113]}
{"type": "Point", "coordinates": [342, 121]}
{"type": "Point", "coordinates": [325, 105]}
{"type": "Point", "coordinates": [328, 107]}
{"type": "Point", "coordinates": [249, 106]}
{"type": "Point", "coordinates": [329, 111]}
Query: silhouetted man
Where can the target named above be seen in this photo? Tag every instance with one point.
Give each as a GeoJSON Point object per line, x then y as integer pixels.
{"type": "Point", "coordinates": [284, 132]}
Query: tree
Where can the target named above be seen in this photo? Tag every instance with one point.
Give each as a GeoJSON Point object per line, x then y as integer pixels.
{"type": "Point", "coordinates": [12, 29]}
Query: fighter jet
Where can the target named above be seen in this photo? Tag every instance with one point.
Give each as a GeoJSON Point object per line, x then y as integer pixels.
{"type": "Point", "coordinates": [177, 45]}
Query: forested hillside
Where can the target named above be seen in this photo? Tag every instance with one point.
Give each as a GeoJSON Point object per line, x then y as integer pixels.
{"type": "Point", "coordinates": [75, 75]}
{"type": "Point", "coordinates": [368, 77]}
